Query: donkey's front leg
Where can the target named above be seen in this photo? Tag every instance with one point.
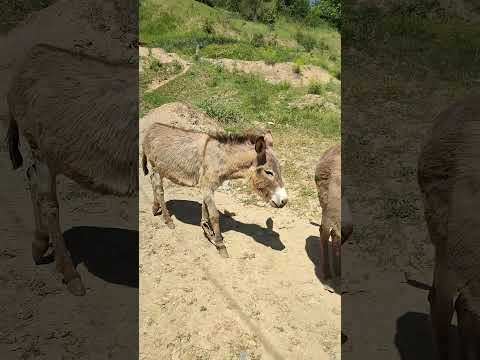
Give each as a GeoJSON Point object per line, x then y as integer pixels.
{"type": "Point", "coordinates": [214, 216]}
{"type": "Point", "coordinates": [40, 242]}
{"type": "Point", "coordinates": [48, 203]}
{"type": "Point", "coordinates": [205, 222]}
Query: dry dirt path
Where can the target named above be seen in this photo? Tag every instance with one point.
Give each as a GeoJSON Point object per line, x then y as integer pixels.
{"type": "Point", "coordinates": [165, 58]}
{"type": "Point", "coordinates": [265, 300]}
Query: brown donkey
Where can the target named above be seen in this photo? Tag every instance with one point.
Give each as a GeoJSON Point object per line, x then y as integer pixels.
{"type": "Point", "coordinates": [449, 177]}
{"type": "Point", "coordinates": [336, 219]}
{"type": "Point", "coordinates": [79, 118]}
{"type": "Point", "coordinates": [191, 158]}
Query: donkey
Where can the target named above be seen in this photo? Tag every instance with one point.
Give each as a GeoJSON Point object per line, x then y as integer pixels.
{"type": "Point", "coordinates": [80, 120]}
{"type": "Point", "coordinates": [449, 178]}
{"type": "Point", "coordinates": [193, 158]}
{"type": "Point", "coordinates": [336, 220]}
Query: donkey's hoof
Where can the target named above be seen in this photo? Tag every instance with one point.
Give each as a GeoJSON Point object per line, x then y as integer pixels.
{"type": "Point", "coordinates": [38, 252]}
{"type": "Point", "coordinates": [222, 250]}
{"type": "Point", "coordinates": [75, 286]}
{"type": "Point", "coordinates": [156, 210]}
{"type": "Point", "coordinates": [170, 224]}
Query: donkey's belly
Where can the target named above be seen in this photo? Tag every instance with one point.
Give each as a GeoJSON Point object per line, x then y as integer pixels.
{"type": "Point", "coordinates": [183, 181]}
{"type": "Point", "coordinates": [184, 176]}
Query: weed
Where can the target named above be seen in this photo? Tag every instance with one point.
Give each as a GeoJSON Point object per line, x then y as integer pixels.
{"type": "Point", "coordinates": [306, 40]}
{"type": "Point", "coordinates": [257, 40]}
{"type": "Point", "coordinates": [284, 85]}
{"type": "Point", "coordinates": [297, 69]}
{"type": "Point", "coordinates": [316, 88]}
{"type": "Point", "coordinates": [207, 26]}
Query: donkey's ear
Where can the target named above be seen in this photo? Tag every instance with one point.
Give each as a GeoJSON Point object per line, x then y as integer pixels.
{"type": "Point", "coordinates": [260, 145]}
{"type": "Point", "coordinates": [269, 138]}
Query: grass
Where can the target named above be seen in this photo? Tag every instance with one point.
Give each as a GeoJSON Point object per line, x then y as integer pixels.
{"type": "Point", "coordinates": [14, 12]}
{"type": "Point", "coordinates": [406, 69]}
{"type": "Point", "coordinates": [240, 101]}
{"type": "Point", "coordinates": [180, 25]}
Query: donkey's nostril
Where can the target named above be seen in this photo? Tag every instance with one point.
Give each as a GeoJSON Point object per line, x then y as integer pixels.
{"type": "Point", "coordinates": [284, 202]}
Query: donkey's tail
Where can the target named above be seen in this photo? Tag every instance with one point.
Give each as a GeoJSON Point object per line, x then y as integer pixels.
{"type": "Point", "coordinates": [144, 164]}
{"type": "Point", "coordinates": [13, 144]}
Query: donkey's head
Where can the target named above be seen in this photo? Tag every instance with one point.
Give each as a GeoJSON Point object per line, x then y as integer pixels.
{"type": "Point", "coordinates": [266, 177]}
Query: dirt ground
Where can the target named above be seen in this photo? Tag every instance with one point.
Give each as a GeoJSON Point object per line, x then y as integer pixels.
{"type": "Point", "coordinates": [40, 319]}
{"type": "Point", "coordinates": [265, 300]}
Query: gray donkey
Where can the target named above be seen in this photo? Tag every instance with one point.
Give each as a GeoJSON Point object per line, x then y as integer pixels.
{"type": "Point", "coordinates": [192, 158]}
{"type": "Point", "coordinates": [79, 118]}
{"type": "Point", "coordinates": [336, 218]}
{"type": "Point", "coordinates": [449, 177]}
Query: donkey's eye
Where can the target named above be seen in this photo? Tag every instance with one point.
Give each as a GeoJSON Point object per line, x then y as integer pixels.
{"type": "Point", "coordinates": [268, 172]}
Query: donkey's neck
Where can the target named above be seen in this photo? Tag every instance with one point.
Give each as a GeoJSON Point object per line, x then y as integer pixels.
{"type": "Point", "coordinates": [237, 160]}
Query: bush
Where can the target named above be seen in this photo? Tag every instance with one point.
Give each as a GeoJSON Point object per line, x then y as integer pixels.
{"type": "Point", "coordinates": [306, 40]}
{"type": "Point", "coordinates": [295, 8]}
{"type": "Point", "coordinates": [207, 26]}
{"type": "Point", "coordinates": [316, 88]}
{"type": "Point", "coordinates": [257, 40]}
{"type": "Point", "coordinates": [297, 69]}
{"type": "Point", "coordinates": [329, 11]}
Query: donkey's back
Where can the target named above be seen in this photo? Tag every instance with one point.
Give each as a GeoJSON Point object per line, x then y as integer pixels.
{"type": "Point", "coordinates": [174, 153]}
{"type": "Point", "coordinates": [78, 115]}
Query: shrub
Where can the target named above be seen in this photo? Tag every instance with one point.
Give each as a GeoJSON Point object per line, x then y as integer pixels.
{"type": "Point", "coordinates": [329, 11]}
{"type": "Point", "coordinates": [297, 69]}
{"type": "Point", "coordinates": [316, 88]}
{"type": "Point", "coordinates": [257, 40]}
{"type": "Point", "coordinates": [306, 40]}
{"type": "Point", "coordinates": [295, 8]}
{"type": "Point", "coordinates": [207, 26]}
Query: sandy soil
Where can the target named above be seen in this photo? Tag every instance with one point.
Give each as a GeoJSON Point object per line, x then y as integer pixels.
{"type": "Point", "coordinates": [165, 58]}
{"type": "Point", "coordinates": [265, 300]}
{"type": "Point", "coordinates": [279, 72]}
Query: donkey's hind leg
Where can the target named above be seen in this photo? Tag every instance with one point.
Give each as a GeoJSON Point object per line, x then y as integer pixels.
{"type": "Point", "coordinates": [467, 328]}
{"type": "Point", "coordinates": [156, 208]}
{"type": "Point", "coordinates": [48, 205]}
{"type": "Point", "coordinates": [40, 242]}
{"type": "Point", "coordinates": [159, 197]}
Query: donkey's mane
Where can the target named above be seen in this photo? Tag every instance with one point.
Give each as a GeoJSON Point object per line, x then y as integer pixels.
{"type": "Point", "coordinates": [226, 138]}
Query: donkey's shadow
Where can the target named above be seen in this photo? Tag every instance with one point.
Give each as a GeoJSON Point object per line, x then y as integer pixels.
{"type": "Point", "coordinates": [108, 253]}
{"type": "Point", "coordinates": [190, 212]}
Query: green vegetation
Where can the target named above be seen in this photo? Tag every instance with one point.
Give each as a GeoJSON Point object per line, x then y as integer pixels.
{"type": "Point", "coordinates": [410, 62]}
{"type": "Point", "coordinates": [182, 25]}
{"type": "Point", "coordinates": [239, 100]}
{"type": "Point", "coordinates": [213, 29]}
{"type": "Point", "coordinates": [14, 11]}
{"type": "Point", "coordinates": [420, 36]}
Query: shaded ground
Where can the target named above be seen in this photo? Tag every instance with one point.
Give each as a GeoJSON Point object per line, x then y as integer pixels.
{"type": "Point", "coordinates": [40, 319]}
